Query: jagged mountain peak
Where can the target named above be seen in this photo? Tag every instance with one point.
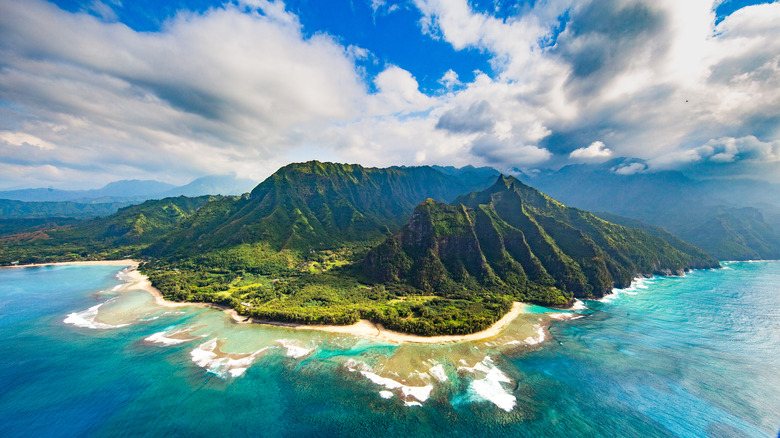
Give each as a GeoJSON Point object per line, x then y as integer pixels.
{"type": "Point", "coordinates": [513, 238]}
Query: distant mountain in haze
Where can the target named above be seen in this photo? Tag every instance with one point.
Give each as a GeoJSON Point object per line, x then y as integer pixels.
{"type": "Point", "coordinates": [483, 176]}
{"type": "Point", "coordinates": [730, 219]}
{"type": "Point", "coordinates": [123, 190]}
{"type": "Point", "coordinates": [62, 209]}
{"type": "Point", "coordinates": [225, 185]}
{"type": "Point", "coordinates": [136, 190]}
{"type": "Point", "coordinates": [42, 203]}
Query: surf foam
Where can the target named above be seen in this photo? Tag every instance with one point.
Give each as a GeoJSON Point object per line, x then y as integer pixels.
{"type": "Point", "coordinates": [490, 387]}
{"type": "Point", "coordinates": [636, 284]}
{"type": "Point", "coordinates": [86, 319]}
{"type": "Point", "coordinates": [540, 336]}
{"type": "Point", "coordinates": [293, 350]}
{"type": "Point", "coordinates": [163, 338]}
{"type": "Point", "coordinates": [419, 393]}
{"type": "Point", "coordinates": [233, 365]}
{"type": "Point", "coordinates": [437, 371]}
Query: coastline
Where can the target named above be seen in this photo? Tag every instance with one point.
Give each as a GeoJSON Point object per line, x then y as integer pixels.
{"type": "Point", "coordinates": [134, 280]}
{"type": "Point", "coordinates": [366, 328]}
{"type": "Point", "coordinates": [123, 262]}
{"type": "Point", "coordinates": [138, 281]}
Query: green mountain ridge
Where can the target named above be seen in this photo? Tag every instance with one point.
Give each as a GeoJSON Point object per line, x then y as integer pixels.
{"type": "Point", "coordinates": [10, 209]}
{"type": "Point", "coordinates": [736, 234]}
{"type": "Point", "coordinates": [656, 231]}
{"type": "Point", "coordinates": [122, 234]}
{"type": "Point", "coordinates": [315, 205]}
{"type": "Point", "coordinates": [512, 238]}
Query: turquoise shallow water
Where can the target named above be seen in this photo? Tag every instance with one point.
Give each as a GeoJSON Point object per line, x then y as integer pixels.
{"type": "Point", "coordinates": [695, 356]}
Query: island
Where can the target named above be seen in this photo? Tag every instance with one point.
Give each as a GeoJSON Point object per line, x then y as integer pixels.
{"type": "Point", "coordinates": [420, 250]}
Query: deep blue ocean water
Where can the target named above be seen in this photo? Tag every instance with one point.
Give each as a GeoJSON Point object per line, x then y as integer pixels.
{"type": "Point", "coordinates": [694, 356]}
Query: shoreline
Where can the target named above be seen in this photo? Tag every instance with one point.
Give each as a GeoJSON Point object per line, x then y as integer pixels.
{"type": "Point", "coordinates": [123, 262]}
{"type": "Point", "coordinates": [135, 280]}
{"type": "Point", "coordinates": [368, 329]}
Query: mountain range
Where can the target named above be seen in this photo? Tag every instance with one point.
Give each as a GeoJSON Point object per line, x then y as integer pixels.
{"type": "Point", "coordinates": [734, 219]}
{"type": "Point", "coordinates": [136, 190]}
{"type": "Point", "coordinates": [419, 249]}
{"type": "Point", "coordinates": [511, 236]}
{"type": "Point", "coordinates": [314, 205]}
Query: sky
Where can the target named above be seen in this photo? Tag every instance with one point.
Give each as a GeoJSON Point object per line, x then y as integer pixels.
{"type": "Point", "coordinates": [93, 91]}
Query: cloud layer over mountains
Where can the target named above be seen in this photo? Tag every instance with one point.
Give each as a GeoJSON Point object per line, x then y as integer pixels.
{"type": "Point", "coordinates": [241, 87]}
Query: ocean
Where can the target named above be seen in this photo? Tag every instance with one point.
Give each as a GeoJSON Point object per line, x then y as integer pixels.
{"type": "Point", "coordinates": [693, 356]}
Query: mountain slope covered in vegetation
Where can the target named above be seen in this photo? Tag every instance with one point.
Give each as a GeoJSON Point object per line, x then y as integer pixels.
{"type": "Point", "coordinates": [514, 239]}
{"type": "Point", "coordinates": [731, 219]}
{"type": "Point", "coordinates": [327, 243]}
{"type": "Point", "coordinates": [315, 205]}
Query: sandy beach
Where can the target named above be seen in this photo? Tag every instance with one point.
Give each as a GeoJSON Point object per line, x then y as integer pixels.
{"type": "Point", "coordinates": [363, 328]}
{"type": "Point", "coordinates": [134, 280]}
{"type": "Point", "coordinates": [137, 280]}
{"type": "Point", "coordinates": [367, 328]}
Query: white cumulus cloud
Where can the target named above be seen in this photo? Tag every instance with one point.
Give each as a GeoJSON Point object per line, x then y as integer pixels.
{"type": "Point", "coordinates": [596, 151]}
{"type": "Point", "coordinates": [243, 88]}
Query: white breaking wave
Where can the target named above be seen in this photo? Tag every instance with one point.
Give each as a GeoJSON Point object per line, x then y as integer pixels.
{"type": "Point", "coordinates": [490, 387]}
{"type": "Point", "coordinates": [608, 298]}
{"type": "Point", "coordinates": [86, 319]}
{"type": "Point", "coordinates": [163, 338]}
{"type": "Point", "coordinates": [419, 393]}
{"type": "Point", "coordinates": [151, 318]}
{"type": "Point", "coordinates": [540, 336]}
{"type": "Point", "coordinates": [636, 284]}
{"type": "Point", "coordinates": [578, 305]}
{"type": "Point", "coordinates": [293, 350]}
{"type": "Point", "coordinates": [355, 365]}
{"type": "Point", "coordinates": [205, 357]}
{"type": "Point", "coordinates": [437, 371]}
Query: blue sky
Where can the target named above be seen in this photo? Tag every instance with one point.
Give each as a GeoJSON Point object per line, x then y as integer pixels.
{"type": "Point", "coordinates": [92, 91]}
{"type": "Point", "coordinates": [391, 36]}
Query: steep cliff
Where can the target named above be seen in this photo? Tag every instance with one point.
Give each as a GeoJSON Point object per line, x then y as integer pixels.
{"type": "Point", "coordinates": [514, 239]}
